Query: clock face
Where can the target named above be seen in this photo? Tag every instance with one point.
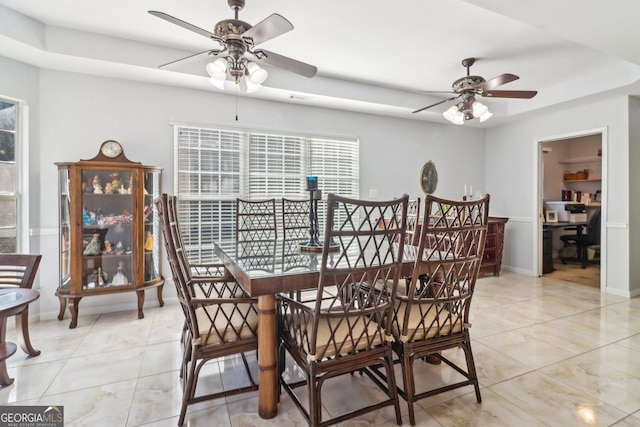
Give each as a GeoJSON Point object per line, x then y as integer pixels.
{"type": "Point", "coordinates": [111, 149]}
{"type": "Point", "coordinates": [429, 177]}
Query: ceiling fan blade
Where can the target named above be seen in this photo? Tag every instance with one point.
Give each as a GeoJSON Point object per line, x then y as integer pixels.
{"type": "Point", "coordinates": [436, 91]}
{"type": "Point", "coordinates": [437, 103]}
{"type": "Point", "coordinates": [525, 94]}
{"type": "Point", "coordinates": [186, 57]}
{"type": "Point", "coordinates": [267, 29]}
{"type": "Point", "coordinates": [183, 24]}
{"type": "Point", "coordinates": [496, 81]}
{"type": "Point", "coordinates": [284, 62]}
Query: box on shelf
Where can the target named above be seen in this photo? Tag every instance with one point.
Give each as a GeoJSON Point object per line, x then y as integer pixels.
{"type": "Point", "coordinates": [574, 176]}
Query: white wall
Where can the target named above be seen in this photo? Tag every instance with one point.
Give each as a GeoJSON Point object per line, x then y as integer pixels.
{"type": "Point", "coordinates": [633, 163]}
{"type": "Point", "coordinates": [76, 113]}
{"type": "Point", "coordinates": [511, 152]}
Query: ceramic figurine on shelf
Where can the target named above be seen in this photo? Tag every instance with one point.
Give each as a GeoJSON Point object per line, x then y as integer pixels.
{"type": "Point", "coordinates": [146, 212]}
{"type": "Point", "coordinates": [119, 248]}
{"type": "Point", "coordinates": [107, 247]}
{"type": "Point", "coordinates": [125, 186]}
{"type": "Point", "coordinates": [115, 181]}
{"type": "Point", "coordinates": [86, 217]}
{"type": "Point", "coordinates": [119, 278]}
{"type": "Point", "coordinates": [101, 277]}
{"type": "Point", "coordinates": [148, 244]}
{"type": "Point", "coordinates": [97, 185]}
{"type": "Point", "coordinates": [93, 247]}
{"type": "Point", "coordinates": [108, 188]}
{"type": "Point", "coordinates": [89, 187]}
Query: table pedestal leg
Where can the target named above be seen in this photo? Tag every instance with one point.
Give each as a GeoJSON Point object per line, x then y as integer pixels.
{"type": "Point", "coordinates": [7, 349]}
{"type": "Point", "coordinates": [22, 328]}
{"type": "Point", "coordinates": [267, 355]}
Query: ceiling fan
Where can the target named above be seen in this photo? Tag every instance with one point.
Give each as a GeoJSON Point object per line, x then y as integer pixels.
{"type": "Point", "coordinates": [467, 88]}
{"type": "Point", "coordinates": [238, 38]}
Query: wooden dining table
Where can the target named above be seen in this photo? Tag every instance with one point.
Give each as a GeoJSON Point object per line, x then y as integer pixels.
{"type": "Point", "coordinates": [264, 269]}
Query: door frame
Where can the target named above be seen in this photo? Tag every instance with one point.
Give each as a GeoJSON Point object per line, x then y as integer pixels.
{"type": "Point", "coordinates": [538, 203]}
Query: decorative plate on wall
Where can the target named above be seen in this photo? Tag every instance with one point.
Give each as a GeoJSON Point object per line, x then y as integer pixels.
{"type": "Point", "coordinates": [429, 177]}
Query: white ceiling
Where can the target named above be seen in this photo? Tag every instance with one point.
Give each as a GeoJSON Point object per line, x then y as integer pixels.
{"type": "Point", "coordinates": [372, 56]}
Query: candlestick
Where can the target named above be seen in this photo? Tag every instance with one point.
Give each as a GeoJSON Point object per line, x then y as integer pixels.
{"type": "Point", "coordinates": [314, 196]}
{"type": "Point", "coordinates": [465, 190]}
{"type": "Point", "coordinates": [312, 183]}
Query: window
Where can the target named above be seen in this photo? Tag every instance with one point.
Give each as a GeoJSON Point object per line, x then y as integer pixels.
{"type": "Point", "coordinates": [215, 166]}
{"type": "Point", "coordinates": [9, 177]}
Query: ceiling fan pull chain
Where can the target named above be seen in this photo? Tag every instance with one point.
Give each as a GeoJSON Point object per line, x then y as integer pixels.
{"type": "Point", "coordinates": [236, 102]}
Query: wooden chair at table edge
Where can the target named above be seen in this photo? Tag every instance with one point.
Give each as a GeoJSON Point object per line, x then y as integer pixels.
{"type": "Point", "coordinates": [256, 219]}
{"type": "Point", "coordinates": [207, 343]}
{"type": "Point", "coordinates": [437, 326]}
{"type": "Point", "coordinates": [205, 273]}
{"type": "Point", "coordinates": [19, 271]}
{"type": "Point", "coordinates": [292, 314]}
{"type": "Point", "coordinates": [295, 218]}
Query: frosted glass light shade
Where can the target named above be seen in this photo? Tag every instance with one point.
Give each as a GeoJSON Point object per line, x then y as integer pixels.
{"type": "Point", "coordinates": [219, 83]}
{"type": "Point", "coordinates": [479, 109]}
{"type": "Point", "coordinates": [450, 114]}
{"type": "Point", "coordinates": [217, 67]}
{"type": "Point", "coordinates": [257, 75]}
{"type": "Point", "coordinates": [486, 116]}
{"type": "Point", "coordinates": [251, 86]}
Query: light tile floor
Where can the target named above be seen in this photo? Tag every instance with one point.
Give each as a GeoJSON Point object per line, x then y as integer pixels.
{"type": "Point", "coordinates": [548, 353]}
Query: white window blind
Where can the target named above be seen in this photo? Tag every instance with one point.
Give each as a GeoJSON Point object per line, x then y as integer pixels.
{"type": "Point", "coordinates": [215, 166]}
{"type": "Point", "coordinates": [10, 169]}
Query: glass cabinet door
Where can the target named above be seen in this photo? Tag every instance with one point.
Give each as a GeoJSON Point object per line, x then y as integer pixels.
{"type": "Point", "coordinates": [65, 228]}
{"type": "Point", "coordinates": [151, 192]}
{"type": "Point", "coordinates": [107, 230]}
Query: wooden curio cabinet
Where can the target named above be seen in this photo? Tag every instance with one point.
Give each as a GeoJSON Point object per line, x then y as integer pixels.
{"type": "Point", "coordinates": [109, 229]}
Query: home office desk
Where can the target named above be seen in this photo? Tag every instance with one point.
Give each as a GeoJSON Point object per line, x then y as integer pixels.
{"type": "Point", "coordinates": [264, 269]}
{"type": "Point", "coordinates": [547, 245]}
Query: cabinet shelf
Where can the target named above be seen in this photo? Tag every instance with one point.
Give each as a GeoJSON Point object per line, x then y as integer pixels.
{"type": "Point", "coordinates": [574, 160]}
{"type": "Point", "coordinates": [569, 181]}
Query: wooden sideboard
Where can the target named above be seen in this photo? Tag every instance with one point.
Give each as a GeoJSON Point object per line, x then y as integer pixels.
{"type": "Point", "coordinates": [492, 257]}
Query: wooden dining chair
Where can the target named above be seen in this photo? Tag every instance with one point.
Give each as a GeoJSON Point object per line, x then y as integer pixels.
{"type": "Point", "coordinates": [412, 235]}
{"type": "Point", "coordinates": [256, 219]}
{"type": "Point", "coordinates": [19, 271]}
{"type": "Point", "coordinates": [433, 316]}
{"type": "Point", "coordinates": [203, 275]}
{"type": "Point", "coordinates": [257, 255]}
{"type": "Point", "coordinates": [333, 336]}
{"type": "Point", "coordinates": [221, 320]}
{"type": "Point", "coordinates": [295, 219]}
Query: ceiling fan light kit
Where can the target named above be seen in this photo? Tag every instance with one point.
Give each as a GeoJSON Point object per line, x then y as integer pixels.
{"type": "Point", "coordinates": [468, 87]}
{"type": "Point", "coordinates": [239, 39]}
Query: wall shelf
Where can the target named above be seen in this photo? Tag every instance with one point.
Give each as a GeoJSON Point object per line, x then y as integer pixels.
{"type": "Point", "coordinates": [590, 159]}
{"type": "Point", "coordinates": [570, 181]}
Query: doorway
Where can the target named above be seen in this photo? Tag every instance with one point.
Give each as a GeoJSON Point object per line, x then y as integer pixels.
{"type": "Point", "coordinates": [571, 193]}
